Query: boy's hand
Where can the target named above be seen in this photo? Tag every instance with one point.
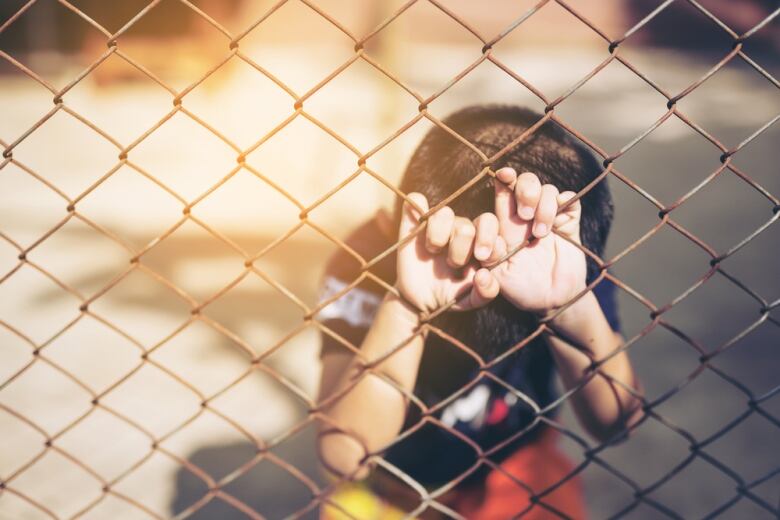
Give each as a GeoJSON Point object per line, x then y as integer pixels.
{"type": "Point", "coordinates": [435, 267]}
{"type": "Point", "coordinates": [550, 272]}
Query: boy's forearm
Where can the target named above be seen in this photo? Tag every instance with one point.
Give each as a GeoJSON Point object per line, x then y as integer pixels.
{"type": "Point", "coordinates": [603, 405]}
{"type": "Point", "coordinates": [372, 410]}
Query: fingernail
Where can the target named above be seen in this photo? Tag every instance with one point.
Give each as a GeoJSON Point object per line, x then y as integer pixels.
{"type": "Point", "coordinates": [481, 252]}
{"type": "Point", "coordinates": [505, 172]}
{"type": "Point", "coordinates": [481, 278]}
{"type": "Point", "coordinates": [526, 212]}
{"type": "Point", "coordinates": [540, 230]}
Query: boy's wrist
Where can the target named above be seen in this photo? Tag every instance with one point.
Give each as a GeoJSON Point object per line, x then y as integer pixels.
{"type": "Point", "coordinates": [575, 316]}
{"type": "Point", "coordinates": [401, 309]}
{"type": "Point", "coordinates": [394, 340]}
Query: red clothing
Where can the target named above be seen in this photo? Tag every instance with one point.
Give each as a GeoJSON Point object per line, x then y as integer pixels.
{"type": "Point", "coordinates": [505, 493]}
{"type": "Point", "coordinates": [539, 465]}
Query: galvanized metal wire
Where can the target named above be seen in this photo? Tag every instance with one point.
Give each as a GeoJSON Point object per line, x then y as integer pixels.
{"type": "Point", "coordinates": [320, 495]}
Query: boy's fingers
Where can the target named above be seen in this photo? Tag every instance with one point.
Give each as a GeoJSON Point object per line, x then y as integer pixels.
{"type": "Point", "coordinates": [500, 250]}
{"type": "Point", "coordinates": [505, 201]}
{"type": "Point", "coordinates": [568, 221]}
{"type": "Point", "coordinates": [410, 216]}
{"type": "Point", "coordinates": [546, 211]}
{"type": "Point", "coordinates": [507, 175]}
{"type": "Point", "coordinates": [574, 209]}
{"type": "Point", "coordinates": [461, 242]}
{"type": "Point", "coordinates": [485, 288]}
{"type": "Point", "coordinates": [528, 190]}
{"type": "Point", "coordinates": [439, 229]}
{"type": "Point", "coordinates": [487, 231]}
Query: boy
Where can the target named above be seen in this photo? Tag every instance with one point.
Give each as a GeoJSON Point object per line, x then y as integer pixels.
{"type": "Point", "coordinates": [487, 451]}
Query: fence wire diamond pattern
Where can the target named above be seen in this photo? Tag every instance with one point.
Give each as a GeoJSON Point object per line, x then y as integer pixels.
{"type": "Point", "coordinates": [38, 351]}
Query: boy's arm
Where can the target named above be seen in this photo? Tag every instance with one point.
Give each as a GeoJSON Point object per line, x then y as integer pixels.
{"type": "Point", "coordinates": [604, 405]}
{"type": "Point", "coordinates": [547, 274]}
{"type": "Point", "coordinates": [363, 412]}
{"type": "Point", "coordinates": [371, 413]}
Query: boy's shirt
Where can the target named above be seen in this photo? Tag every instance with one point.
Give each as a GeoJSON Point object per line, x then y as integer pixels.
{"type": "Point", "coordinates": [488, 413]}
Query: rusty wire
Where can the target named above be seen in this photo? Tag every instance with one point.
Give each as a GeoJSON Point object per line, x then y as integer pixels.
{"type": "Point", "coordinates": [319, 494]}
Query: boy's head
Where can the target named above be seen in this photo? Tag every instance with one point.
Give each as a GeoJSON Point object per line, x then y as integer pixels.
{"type": "Point", "coordinates": [442, 164]}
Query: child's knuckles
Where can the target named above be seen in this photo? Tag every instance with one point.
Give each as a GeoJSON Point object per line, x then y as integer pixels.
{"type": "Point", "coordinates": [460, 255]}
{"type": "Point", "coordinates": [564, 199]}
{"type": "Point", "coordinates": [465, 228]}
{"type": "Point", "coordinates": [495, 288]}
{"type": "Point", "coordinates": [439, 232]}
{"type": "Point", "coordinates": [551, 190]}
{"type": "Point", "coordinates": [527, 193]}
{"type": "Point", "coordinates": [487, 228]}
{"type": "Point", "coordinates": [483, 247]}
{"type": "Point", "coordinates": [499, 250]}
{"type": "Point", "coordinates": [548, 202]}
{"type": "Point", "coordinates": [435, 244]}
{"type": "Point", "coordinates": [528, 183]}
{"type": "Point", "coordinates": [506, 175]}
{"type": "Point", "coordinates": [488, 220]}
{"type": "Point", "coordinates": [563, 219]}
{"type": "Point", "coordinates": [417, 198]}
{"type": "Point", "coordinates": [444, 214]}
{"type": "Point", "coordinates": [455, 261]}
{"type": "Point", "coordinates": [440, 223]}
{"type": "Point", "coordinates": [485, 242]}
{"type": "Point", "coordinates": [528, 177]}
{"type": "Point", "coordinates": [485, 288]}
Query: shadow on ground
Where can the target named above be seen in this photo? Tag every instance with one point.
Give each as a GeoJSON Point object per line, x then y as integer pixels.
{"type": "Point", "coordinates": [267, 488]}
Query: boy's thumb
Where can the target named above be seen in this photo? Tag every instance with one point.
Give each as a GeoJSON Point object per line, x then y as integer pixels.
{"type": "Point", "coordinates": [410, 215]}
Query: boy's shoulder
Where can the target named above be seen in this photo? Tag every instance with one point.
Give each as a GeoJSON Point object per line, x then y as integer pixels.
{"type": "Point", "coordinates": [352, 313]}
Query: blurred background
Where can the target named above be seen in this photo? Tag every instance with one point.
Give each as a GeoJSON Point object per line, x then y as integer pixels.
{"type": "Point", "coordinates": [128, 159]}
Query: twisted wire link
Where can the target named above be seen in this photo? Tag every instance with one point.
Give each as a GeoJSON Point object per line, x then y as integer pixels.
{"type": "Point", "coordinates": [258, 361]}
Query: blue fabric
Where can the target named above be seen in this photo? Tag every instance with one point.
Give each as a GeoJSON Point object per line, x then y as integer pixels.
{"type": "Point", "coordinates": [605, 293]}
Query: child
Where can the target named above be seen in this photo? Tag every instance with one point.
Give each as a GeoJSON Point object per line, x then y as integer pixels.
{"type": "Point", "coordinates": [488, 451]}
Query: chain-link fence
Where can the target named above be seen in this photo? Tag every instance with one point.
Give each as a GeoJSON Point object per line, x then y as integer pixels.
{"type": "Point", "coordinates": [85, 412]}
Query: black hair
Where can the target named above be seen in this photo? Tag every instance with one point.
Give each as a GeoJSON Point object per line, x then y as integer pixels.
{"type": "Point", "coordinates": [442, 164]}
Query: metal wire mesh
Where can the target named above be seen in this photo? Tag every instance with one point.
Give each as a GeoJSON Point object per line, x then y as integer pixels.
{"type": "Point", "coordinates": [320, 494]}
